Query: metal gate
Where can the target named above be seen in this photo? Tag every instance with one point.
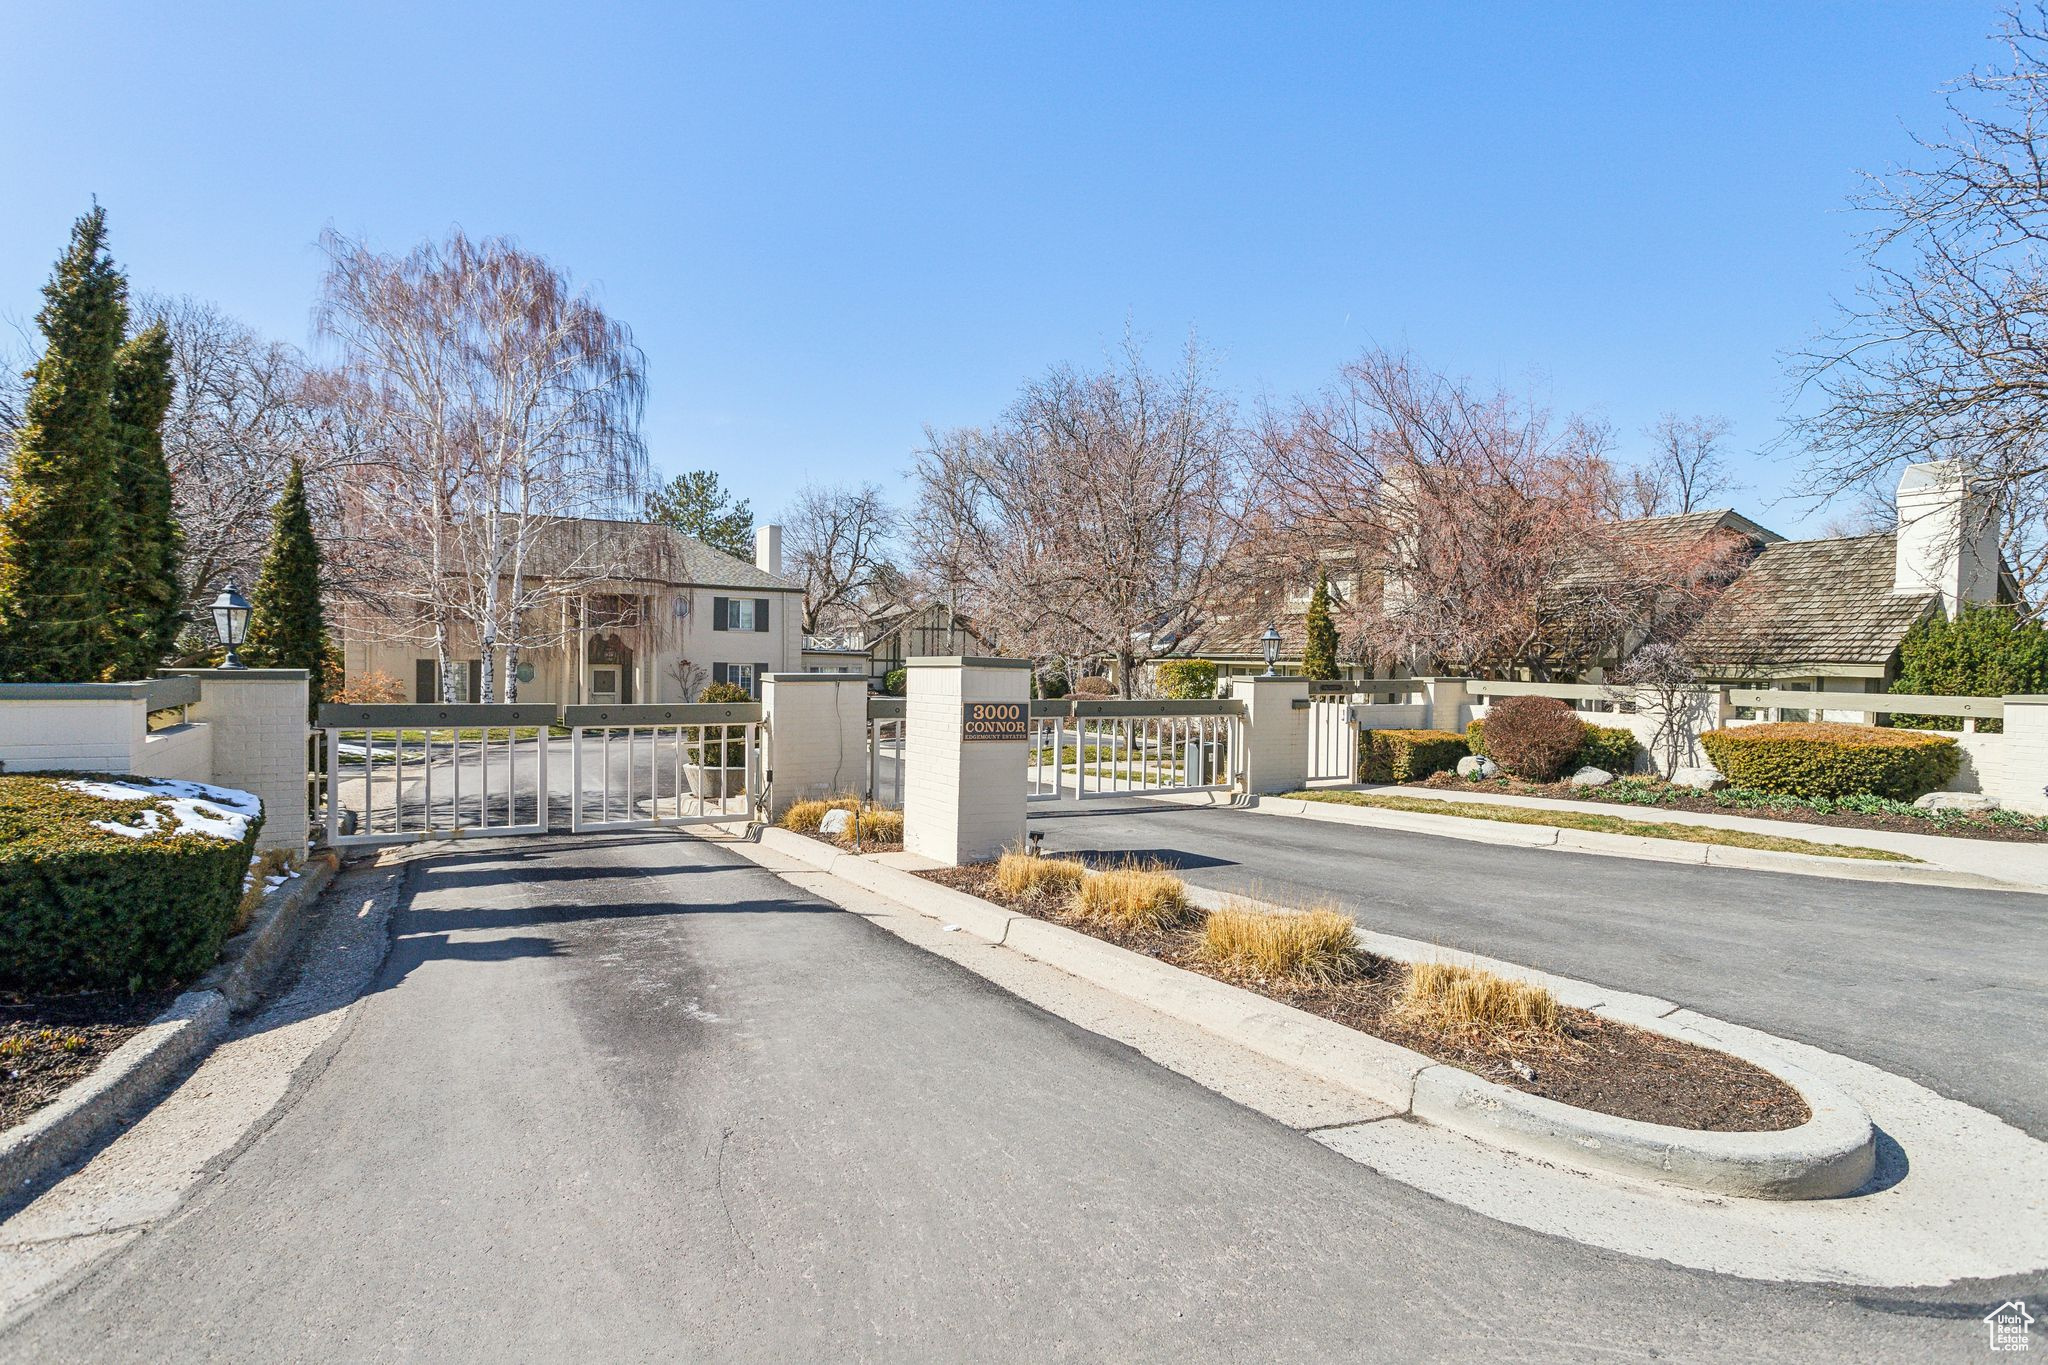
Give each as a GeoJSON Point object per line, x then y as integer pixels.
{"type": "Point", "coordinates": [1332, 738]}
{"type": "Point", "coordinates": [399, 774]}
{"type": "Point", "coordinates": [885, 751]}
{"type": "Point", "coordinates": [1086, 749]}
{"type": "Point", "coordinates": [638, 767]}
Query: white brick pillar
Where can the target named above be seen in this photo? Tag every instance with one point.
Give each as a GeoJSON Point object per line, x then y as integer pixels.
{"type": "Point", "coordinates": [817, 736]}
{"type": "Point", "coordinates": [2021, 772]}
{"type": "Point", "coordinates": [963, 797]}
{"type": "Point", "coordinates": [1275, 732]}
{"type": "Point", "coordinates": [1450, 703]}
{"type": "Point", "coordinates": [258, 720]}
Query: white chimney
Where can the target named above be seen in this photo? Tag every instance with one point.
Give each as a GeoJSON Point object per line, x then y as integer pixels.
{"type": "Point", "coordinates": [1947, 538]}
{"type": "Point", "coordinates": [768, 549]}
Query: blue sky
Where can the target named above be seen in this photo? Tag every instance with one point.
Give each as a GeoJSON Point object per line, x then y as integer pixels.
{"type": "Point", "coordinates": [828, 226]}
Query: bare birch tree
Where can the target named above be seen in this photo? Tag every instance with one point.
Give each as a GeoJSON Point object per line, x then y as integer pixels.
{"type": "Point", "coordinates": [1939, 356]}
{"type": "Point", "coordinates": [504, 403]}
{"type": "Point", "coordinates": [1089, 518]}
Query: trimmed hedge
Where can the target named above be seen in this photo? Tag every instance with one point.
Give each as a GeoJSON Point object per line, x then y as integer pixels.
{"type": "Point", "coordinates": [1820, 758]}
{"type": "Point", "coordinates": [1186, 679]}
{"type": "Point", "coordinates": [86, 909]}
{"type": "Point", "coordinates": [895, 680]}
{"type": "Point", "coordinates": [1612, 748]}
{"type": "Point", "coordinates": [1407, 755]}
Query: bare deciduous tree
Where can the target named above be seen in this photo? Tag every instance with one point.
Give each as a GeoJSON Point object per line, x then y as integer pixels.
{"type": "Point", "coordinates": [1939, 357]}
{"type": "Point", "coordinates": [502, 403]}
{"type": "Point", "coordinates": [836, 541]}
{"type": "Point", "coordinates": [1089, 518]}
{"type": "Point", "coordinates": [1685, 472]}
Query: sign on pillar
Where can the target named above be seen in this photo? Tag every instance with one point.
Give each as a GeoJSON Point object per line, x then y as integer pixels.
{"type": "Point", "coordinates": [967, 740]}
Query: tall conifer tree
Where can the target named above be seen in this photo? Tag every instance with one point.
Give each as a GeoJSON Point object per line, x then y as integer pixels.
{"type": "Point", "coordinates": [1319, 655]}
{"type": "Point", "coordinates": [288, 628]}
{"type": "Point", "coordinates": [58, 527]}
{"type": "Point", "coordinates": [143, 591]}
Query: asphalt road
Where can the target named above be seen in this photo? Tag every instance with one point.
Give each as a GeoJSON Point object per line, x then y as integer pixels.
{"type": "Point", "coordinates": [631, 1098]}
{"type": "Point", "coordinates": [1946, 987]}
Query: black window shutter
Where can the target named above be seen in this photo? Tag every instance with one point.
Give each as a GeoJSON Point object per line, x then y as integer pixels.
{"type": "Point", "coordinates": [718, 616]}
{"type": "Point", "coordinates": [423, 682]}
{"type": "Point", "coordinates": [718, 670]}
{"type": "Point", "coordinates": [476, 680]}
{"type": "Point", "coordinates": [761, 615]}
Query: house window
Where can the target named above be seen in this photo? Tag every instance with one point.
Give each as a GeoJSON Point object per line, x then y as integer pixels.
{"type": "Point", "coordinates": [739, 675]}
{"type": "Point", "coordinates": [739, 613]}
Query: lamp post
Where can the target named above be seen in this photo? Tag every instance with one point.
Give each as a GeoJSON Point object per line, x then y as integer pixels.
{"type": "Point", "coordinates": [1271, 641]}
{"type": "Point", "coordinates": [231, 623]}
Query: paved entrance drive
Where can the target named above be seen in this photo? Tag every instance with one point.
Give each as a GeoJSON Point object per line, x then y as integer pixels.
{"type": "Point", "coordinates": [1945, 987]}
{"type": "Point", "coordinates": [627, 1097]}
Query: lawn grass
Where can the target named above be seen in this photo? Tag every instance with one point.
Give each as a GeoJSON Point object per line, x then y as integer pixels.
{"type": "Point", "coordinates": [1602, 824]}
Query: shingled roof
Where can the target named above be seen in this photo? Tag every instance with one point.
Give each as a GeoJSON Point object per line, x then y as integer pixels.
{"type": "Point", "coordinates": [641, 552]}
{"type": "Point", "coordinates": [1811, 602]}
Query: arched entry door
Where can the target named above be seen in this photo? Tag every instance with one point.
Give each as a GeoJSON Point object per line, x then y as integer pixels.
{"type": "Point", "coordinates": [608, 672]}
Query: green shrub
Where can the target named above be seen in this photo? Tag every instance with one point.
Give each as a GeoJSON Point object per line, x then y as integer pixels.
{"type": "Point", "coordinates": [1533, 738]}
{"type": "Point", "coordinates": [1407, 755]}
{"type": "Point", "coordinates": [1987, 651]}
{"type": "Point", "coordinates": [1187, 679]}
{"type": "Point", "coordinates": [895, 681]}
{"type": "Point", "coordinates": [1052, 682]}
{"type": "Point", "coordinates": [1811, 759]}
{"type": "Point", "coordinates": [1609, 747]}
{"type": "Point", "coordinates": [83, 908]}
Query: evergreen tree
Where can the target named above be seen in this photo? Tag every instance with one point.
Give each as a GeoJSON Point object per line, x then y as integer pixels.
{"type": "Point", "coordinates": [694, 504]}
{"type": "Point", "coordinates": [1987, 651]}
{"type": "Point", "coordinates": [287, 628]}
{"type": "Point", "coordinates": [143, 591]}
{"type": "Point", "coordinates": [1319, 655]}
{"type": "Point", "coordinates": [58, 527]}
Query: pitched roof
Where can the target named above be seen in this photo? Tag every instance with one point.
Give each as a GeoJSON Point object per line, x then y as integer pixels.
{"type": "Point", "coordinates": [1811, 602]}
{"type": "Point", "coordinates": [644, 552]}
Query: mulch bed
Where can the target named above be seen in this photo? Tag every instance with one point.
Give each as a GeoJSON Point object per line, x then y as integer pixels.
{"type": "Point", "coordinates": [870, 846]}
{"type": "Point", "coordinates": [1598, 1064]}
{"type": "Point", "coordinates": [1959, 826]}
{"type": "Point", "coordinates": [49, 1041]}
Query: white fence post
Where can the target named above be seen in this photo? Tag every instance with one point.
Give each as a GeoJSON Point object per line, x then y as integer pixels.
{"type": "Point", "coordinates": [818, 735]}
{"type": "Point", "coordinates": [259, 721]}
{"type": "Point", "coordinates": [963, 797]}
{"type": "Point", "coordinates": [1276, 732]}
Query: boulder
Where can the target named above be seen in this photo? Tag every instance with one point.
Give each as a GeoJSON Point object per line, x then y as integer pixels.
{"type": "Point", "coordinates": [835, 823]}
{"type": "Point", "coordinates": [1591, 777]}
{"type": "Point", "coordinates": [1699, 779]}
{"type": "Point", "coordinates": [1477, 766]}
{"type": "Point", "coordinates": [1969, 803]}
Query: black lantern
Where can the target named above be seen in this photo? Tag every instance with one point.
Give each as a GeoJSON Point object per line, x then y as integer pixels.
{"type": "Point", "coordinates": [1271, 641]}
{"type": "Point", "coordinates": [231, 623]}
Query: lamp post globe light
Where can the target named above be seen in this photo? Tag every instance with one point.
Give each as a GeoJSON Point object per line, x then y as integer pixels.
{"type": "Point", "coordinates": [231, 623]}
{"type": "Point", "coordinates": [1271, 641]}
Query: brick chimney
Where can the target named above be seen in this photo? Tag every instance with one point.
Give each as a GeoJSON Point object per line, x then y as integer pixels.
{"type": "Point", "coordinates": [1947, 537]}
{"type": "Point", "coordinates": [768, 549]}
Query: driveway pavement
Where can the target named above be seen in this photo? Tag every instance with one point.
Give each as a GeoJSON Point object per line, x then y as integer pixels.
{"type": "Point", "coordinates": [1948, 988]}
{"type": "Point", "coordinates": [628, 1097]}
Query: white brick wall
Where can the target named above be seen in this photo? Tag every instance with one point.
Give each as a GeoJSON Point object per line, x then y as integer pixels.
{"type": "Point", "coordinates": [258, 718]}
{"type": "Point", "coordinates": [1275, 732]}
{"type": "Point", "coordinates": [96, 736]}
{"type": "Point", "coordinates": [2021, 770]}
{"type": "Point", "coordinates": [962, 802]}
{"type": "Point", "coordinates": [817, 736]}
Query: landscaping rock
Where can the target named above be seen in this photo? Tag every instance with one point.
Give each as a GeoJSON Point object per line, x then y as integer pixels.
{"type": "Point", "coordinates": [1477, 766]}
{"type": "Point", "coordinates": [835, 823]}
{"type": "Point", "coordinates": [1699, 779]}
{"type": "Point", "coordinates": [1592, 777]}
{"type": "Point", "coordinates": [1969, 803]}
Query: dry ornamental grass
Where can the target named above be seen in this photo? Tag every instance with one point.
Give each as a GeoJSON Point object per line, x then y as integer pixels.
{"type": "Point", "coordinates": [1308, 945]}
{"type": "Point", "coordinates": [1024, 874]}
{"type": "Point", "coordinates": [805, 816]}
{"type": "Point", "coordinates": [874, 825]}
{"type": "Point", "coordinates": [1449, 997]}
{"type": "Point", "coordinates": [1132, 895]}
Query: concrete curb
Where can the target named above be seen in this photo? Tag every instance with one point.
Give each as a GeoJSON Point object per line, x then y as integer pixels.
{"type": "Point", "coordinates": [1619, 845]}
{"type": "Point", "coordinates": [1832, 1154]}
{"type": "Point", "coordinates": [129, 1079]}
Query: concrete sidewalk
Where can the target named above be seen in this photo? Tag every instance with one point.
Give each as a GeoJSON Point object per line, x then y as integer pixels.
{"type": "Point", "coordinates": [2012, 862]}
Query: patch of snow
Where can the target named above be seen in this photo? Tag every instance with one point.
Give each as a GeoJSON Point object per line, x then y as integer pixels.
{"type": "Point", "coordinates": [196, 807]}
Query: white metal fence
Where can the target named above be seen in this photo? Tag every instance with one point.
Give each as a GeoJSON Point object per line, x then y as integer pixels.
{"type": "Point", "coordinates": [1086, 749]}
{"type": "Point", "coordinates": [885, 751]}
{"type": "Point", "coordinates": [405, 773]}
{"type": "Point", "coordinates": [638, 767]}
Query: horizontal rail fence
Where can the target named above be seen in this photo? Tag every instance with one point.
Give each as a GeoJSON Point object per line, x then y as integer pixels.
{"type": "Point", "coordinates": [1774, 702]}
{"type": "Point", "coordinates": [407, 773]}
{"type": "Point", "coordinates": [637, 767]}
{"type": "Point", "coordinates": [885, 751]}
{"type": "Point", "coordinates": [1086, 749]}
